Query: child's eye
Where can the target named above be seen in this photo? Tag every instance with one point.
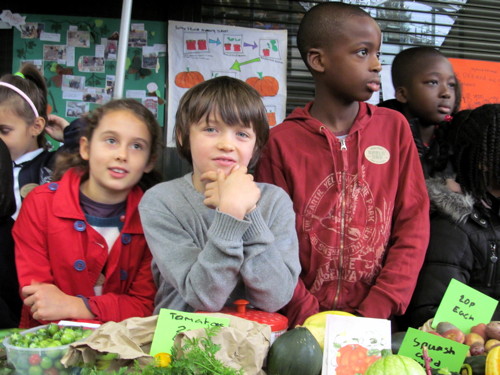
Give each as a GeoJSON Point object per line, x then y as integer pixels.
{"type": "Point", "coordinates": [432, 82]}
{"type": "Point", "coordinates": [137, 146]}
{"type": "Point", "coordinates": [243, 134]}
{"type": "Point", "coordinates": [111, 141]}
{"type": "Point", "coordinates": [209, 130]}
{"type": "Point", "coordinates": [378, 55]}
{"type": "Point", "coordinates": [4, 131]}
{"type": "Point", "coordinates": [452, 85]}
{"type": "Point", "coordinates": [363, 52]}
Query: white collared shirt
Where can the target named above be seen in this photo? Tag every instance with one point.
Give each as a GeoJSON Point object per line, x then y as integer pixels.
{"type": "Point", "coordinates": [16, 169]}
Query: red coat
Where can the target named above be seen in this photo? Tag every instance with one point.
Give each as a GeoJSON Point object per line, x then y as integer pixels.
{"type": "Point", "coordinates": [55, 244]}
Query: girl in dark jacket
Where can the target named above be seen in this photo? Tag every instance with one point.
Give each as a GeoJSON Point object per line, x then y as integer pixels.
{"type": "Point", "coordinates": [10, 301]}
{"type": "Point", "coordinates": [465, 227]}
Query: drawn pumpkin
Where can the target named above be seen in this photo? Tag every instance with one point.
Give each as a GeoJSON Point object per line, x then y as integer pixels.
{"type": "Point", "coordinates": [265, 85]}
{"type": "Point", "coordinates": [354, 359]}
{"type": "Point", "coordinates": [188, 79]}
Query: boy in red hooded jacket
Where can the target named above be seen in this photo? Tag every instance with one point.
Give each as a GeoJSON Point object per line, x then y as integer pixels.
{"type": "Point", "coordinates": [354, 176]}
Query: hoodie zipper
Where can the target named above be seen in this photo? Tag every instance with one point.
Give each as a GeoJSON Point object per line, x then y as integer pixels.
{"type": "Point", "coordinates": [492, 264]}
{"type": "Point", "coordinates": [343, 149]}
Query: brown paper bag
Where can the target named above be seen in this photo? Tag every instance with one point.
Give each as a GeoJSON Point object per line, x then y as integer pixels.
{"type": "Point", "coordinates": [129, 339]}
{"type": "Point", "coordinates": [244, 344]}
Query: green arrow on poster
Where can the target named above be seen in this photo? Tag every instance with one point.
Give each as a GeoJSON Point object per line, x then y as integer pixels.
{"type": "Point", "coordinates": [236, 65]}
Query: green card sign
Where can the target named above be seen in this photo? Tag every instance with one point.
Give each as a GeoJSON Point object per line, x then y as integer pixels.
{"type": "Point", "coordinates": [443, 352]}
{"type": "Point", "coordinates": [172, 322]}
{"type": "Point", "coordinates": [464, 307]}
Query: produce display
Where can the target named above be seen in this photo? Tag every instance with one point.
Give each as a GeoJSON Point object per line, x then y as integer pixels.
{"type": "Point", "coordinates": [38, 351]}
{"type": "Point", "coordinates": [297, 351]}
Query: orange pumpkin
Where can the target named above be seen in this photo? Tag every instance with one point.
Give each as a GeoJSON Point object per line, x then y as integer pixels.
{"type": "Point", "coordinates": [188, 79]}
{"type": "Point", "coordinates": [271, 118]}
{"type": "Point", "coordinates": [265, 85]}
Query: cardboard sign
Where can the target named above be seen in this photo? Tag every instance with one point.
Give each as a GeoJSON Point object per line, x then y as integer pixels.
{"type": "Point", "coordinates": [445, 353]}
{"type": "Point", "coordinates": [171, 322]}
{"type": "Point", "coordinates": [353, 343]}
{"type": "Point", "coordinates": [464, 307]}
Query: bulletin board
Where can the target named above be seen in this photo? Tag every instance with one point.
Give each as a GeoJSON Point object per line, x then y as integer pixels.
{"type": "Point", "coordinates": [77, 56]}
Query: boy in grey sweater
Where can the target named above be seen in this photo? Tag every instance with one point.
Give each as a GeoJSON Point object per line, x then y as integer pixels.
{"type": "Point", "coordinates": [215, 234]}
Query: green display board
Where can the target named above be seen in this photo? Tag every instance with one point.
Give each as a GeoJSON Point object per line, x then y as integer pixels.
{"type": "Point", "coordinates": [77, 56]}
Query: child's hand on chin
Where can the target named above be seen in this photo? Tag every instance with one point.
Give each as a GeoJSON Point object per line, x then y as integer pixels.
{"type": "Point", "coordinates": [235, 194]}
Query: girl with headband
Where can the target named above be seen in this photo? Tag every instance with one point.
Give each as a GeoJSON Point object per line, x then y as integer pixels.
{"type": "Point", "coordinates": [23, 123]}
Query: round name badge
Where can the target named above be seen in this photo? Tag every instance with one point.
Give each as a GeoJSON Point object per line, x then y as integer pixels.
{"type": "Point", "coordinates": [377, 154]}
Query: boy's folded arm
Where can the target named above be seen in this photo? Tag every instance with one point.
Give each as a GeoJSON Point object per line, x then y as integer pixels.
{"type": "Point", "coordinates": [203, 276]}
{"type": "Point", "coordinates": [271, 267]}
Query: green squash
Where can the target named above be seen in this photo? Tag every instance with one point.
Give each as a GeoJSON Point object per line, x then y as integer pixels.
{"type": "Point", "coordinates": [394, 364]}
{"type": "Point", "coordinates": [295, 352]}
{"type": "Point", "coordinates": [474, 365]}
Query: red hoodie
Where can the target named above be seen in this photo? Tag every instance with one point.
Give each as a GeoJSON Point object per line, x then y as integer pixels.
{"type": "Point", "coordinates": [362, 211]}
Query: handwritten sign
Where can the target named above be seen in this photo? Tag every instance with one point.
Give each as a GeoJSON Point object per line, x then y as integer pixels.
{"type": "Point", "coordinates": [444, 352]}
{"type": "Point", "coordinates": [464, 307]}
{"type": "Point", "coordinates": [480, 81]}
{"type": "Point", "coordinates": [172, 322]}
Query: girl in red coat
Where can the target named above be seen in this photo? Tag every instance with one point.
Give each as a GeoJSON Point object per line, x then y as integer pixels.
{"type": "Point", "coordinates": [80, 247]}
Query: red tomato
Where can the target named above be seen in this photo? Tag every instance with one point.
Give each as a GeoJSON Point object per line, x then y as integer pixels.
{"type": "Point", "coordinates": [34, 359]}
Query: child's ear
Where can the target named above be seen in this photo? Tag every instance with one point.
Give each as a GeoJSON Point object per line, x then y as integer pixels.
{"type": "Point", "coordinates": [401, 94]}
{"type": "Point", "coordinates": [151, 164]}
{"type": "Point", "coordinates": [84, 148]}
{"type": "Point", "coordinates": [315, 59]}
{"type": "Point", "coordinates": [37, 128]}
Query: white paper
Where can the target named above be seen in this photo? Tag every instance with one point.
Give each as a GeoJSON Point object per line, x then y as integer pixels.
{"type": "Point", "coordinates": [160, 48]}
{"type": "Point", "coordinates": [136, 94]}
{"type": "Point", "coordinates": [99, 50]}
{"type": "Point", "coordinates": [137, 26]}
{"type": "Point", "coordinates": [70, 56]}
{"type": "Point", "coordinates": [72, 95]}
{"type": "Point", "coordinates": [50, 37]}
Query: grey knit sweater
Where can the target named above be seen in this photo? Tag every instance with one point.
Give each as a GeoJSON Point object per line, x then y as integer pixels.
{"type": "Point", "coordinates": [204, 259]}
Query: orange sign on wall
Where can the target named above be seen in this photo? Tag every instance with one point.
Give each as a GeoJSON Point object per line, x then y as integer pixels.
{"type": "Point", "coordinates": [480, 81]}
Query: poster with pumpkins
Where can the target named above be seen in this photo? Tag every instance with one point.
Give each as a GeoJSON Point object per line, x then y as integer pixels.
{"type": "Point", "coordinates": [199, 51]}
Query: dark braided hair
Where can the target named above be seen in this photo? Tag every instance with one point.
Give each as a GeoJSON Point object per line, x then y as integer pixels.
{"type": "Point", "coordinates": [477, 149]}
